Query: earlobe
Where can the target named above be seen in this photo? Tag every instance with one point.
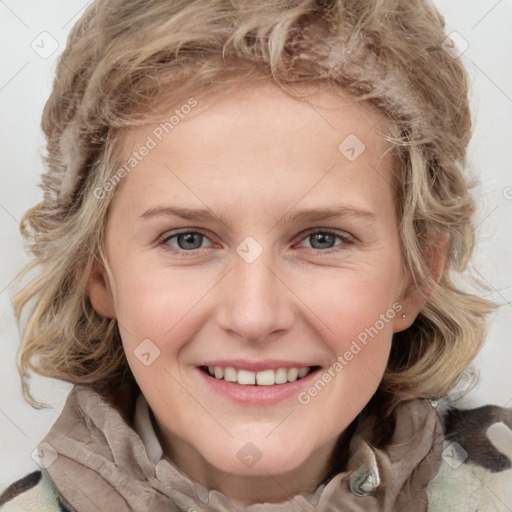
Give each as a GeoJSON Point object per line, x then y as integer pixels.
{"type": "Point", "coordinates": [100, 291]}
{"type": "Point", "coordinates": [414, 297]}
{"type": "Point", "coordinates": [412, 302]}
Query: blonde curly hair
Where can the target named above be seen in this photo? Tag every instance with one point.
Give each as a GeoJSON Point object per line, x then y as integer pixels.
{"type": "Point", "coordinates": [125, 59]}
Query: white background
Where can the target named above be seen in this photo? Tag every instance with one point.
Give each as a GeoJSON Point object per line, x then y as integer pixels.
{"type": "Point", "coordinates": [25, 82]}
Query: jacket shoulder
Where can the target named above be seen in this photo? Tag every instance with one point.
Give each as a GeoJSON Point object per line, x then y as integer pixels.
{"type": "Point", "coordinates": [476, 468]}
{"type": "Point", "coordinates": [34, 492]}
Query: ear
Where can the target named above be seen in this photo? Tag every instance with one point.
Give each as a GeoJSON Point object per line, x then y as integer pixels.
{"type": "Point", "coordinates": [414, 298]}
{"type": "Point", "coordinates": [100, 291]}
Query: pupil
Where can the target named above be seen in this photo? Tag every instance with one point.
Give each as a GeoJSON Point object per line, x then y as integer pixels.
{"type": "Point", "coordinates": [324, 238]}
{"type": "Point", "coordinates": [188, 239]}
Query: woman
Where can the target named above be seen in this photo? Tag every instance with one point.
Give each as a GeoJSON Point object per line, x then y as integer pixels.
{"type": "Point", "coordinates": [259, 369]}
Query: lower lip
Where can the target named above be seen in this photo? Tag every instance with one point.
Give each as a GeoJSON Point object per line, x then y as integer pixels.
{"type": "Point", "coordinates": [254, 394]}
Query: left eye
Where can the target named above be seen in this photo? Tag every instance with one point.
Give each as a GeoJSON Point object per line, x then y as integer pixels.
{"type": "Point", "coordinates": [328, 238]}
{"type": "Point", "coordinates": [322, 240]}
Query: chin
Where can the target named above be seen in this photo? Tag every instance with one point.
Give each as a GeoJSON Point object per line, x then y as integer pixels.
{"type": "Point", "coordinates": [254, 459]}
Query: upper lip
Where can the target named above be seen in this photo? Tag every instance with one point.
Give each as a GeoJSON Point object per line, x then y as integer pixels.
{"type": "Point", "coordinates": [255, 366]}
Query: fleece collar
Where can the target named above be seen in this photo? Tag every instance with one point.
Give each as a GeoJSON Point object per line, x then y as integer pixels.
{"type": "Point", "coordinates": [98, 461]}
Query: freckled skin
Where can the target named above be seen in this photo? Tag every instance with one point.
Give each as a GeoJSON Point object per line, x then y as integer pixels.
{"type": "Point", "coordinates": [255, 155]}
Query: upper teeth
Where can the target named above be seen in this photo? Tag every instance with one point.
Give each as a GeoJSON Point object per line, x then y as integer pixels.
{"type": "Point", "coordinates": [263, 378]}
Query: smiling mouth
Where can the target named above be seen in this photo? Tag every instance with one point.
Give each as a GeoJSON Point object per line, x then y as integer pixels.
{"type": "Point", "coordinates": [261, 378]}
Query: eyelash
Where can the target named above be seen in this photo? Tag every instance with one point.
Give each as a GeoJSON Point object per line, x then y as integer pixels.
{"type": "Point", "coordinates": [347, 240]}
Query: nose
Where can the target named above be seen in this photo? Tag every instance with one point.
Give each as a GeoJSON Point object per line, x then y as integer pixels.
{"type": "Point", "coordinates": [257, 305]}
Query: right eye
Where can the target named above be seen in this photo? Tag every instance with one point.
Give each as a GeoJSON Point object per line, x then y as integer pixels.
{"type": "Point", "coordinates": [185, 241]}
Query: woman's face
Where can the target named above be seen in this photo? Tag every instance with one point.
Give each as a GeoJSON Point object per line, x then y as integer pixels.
{"type": "Point", "coordinates": [255, 235]}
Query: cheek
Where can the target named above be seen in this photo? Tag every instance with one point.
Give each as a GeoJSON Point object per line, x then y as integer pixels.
{"type": "Point", "coordinates": [354, 319]}
{"type": "Point", "coordinates": [152, 304]}
{"type": "Point", "coordinates": [153, 312]}
{"type": "Point", "coordinates": [349, 301]}
{"type": "Point", "coordinates": [358, 337]}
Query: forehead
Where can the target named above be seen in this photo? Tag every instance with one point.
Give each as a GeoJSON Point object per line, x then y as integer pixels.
{"type": "Point", "coordinates": [270, 111]}
{"type": "Point", "coordinates": [259, 140]}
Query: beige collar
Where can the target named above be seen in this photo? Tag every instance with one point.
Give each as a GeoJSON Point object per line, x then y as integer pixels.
{"type": "Point", "coordinates": [99, 462]}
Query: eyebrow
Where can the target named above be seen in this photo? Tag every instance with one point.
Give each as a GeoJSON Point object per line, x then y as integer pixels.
{"type": "Point", "coordinates": [302, 216]}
